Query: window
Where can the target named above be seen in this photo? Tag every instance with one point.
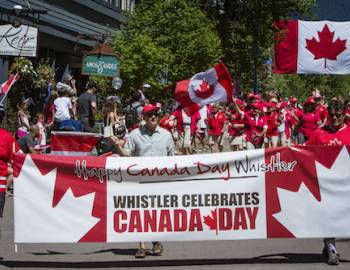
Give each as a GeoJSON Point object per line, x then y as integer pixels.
{"type": "Point", "coordinates": [122, 4]}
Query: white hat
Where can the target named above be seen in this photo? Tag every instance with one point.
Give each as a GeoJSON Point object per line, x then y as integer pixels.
{"type": "Point", "coordinates": [146, 85]}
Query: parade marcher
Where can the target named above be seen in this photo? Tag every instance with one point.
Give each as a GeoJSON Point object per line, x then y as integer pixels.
{"type": "Point", "coordinates": [86, 107]}
{"type": "Point", "coordinates": [321, 110]}
{"type": "Point", "coordinates": [202, 131]}
{"type": "Point", "coordinates": [336, 132]}
{"type": "Point", "coordinates": [273, 122]}
{"type": "Point", "coordinates": [216, 122]}
{"type": "Point", "coordinates": [236, 128]}
{"type": "Point", "coordinates": [186, 127]}
{"type": "Point", "coordinates": [8, 147]}
{"type": "Point", "coordinates": [255, 124]}
{"type": "Point", "coordinates": [308, 121]}
{"type": "Point", "coordinates": [147, 141]}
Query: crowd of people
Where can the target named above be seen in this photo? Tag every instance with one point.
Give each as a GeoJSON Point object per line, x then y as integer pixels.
{"type": "Point", "coordinates": [132, 129]}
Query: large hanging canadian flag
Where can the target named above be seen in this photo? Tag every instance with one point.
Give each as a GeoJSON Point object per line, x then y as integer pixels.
{"type": "Point", "coordinates": [312, 47]}
{"type": "Point", "coordinates": [211, 86]}
{"type": "Point", "coordinates": [285, 192]}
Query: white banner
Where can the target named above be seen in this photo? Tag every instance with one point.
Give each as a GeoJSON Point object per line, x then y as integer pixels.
{"type": "Point", "coordinates": [18, 41]}
{"type": "Point", "coordinates": [258, 194]}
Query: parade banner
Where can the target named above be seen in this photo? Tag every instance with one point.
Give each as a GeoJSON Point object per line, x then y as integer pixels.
{"type": "Point", "coordinates": [287, 192]}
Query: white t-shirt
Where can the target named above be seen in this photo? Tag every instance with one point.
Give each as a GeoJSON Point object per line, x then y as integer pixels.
{"type": "Point", "coordinates": [204, 115]}
{"type": "Point", "coordinates": [62, 106]}
{"type": "Point", "coordinates": [186, 118]}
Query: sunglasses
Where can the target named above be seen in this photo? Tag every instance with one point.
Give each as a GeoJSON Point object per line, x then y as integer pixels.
{"type": "Point", "coordinates": [150, 114]}
{"type": "Point", "coordinates": [337, 115]}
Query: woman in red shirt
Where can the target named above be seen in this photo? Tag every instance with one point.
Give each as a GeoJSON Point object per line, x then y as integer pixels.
{"type": "Point", "coordinates": [216, 121]}
{"type": "Point", "coordinates": [309, 121]}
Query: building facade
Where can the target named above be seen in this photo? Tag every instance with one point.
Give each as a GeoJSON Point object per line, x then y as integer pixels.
{"type": "Point", "coordinates": [67, 30]}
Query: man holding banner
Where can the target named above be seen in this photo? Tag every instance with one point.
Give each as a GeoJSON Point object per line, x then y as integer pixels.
{"type": "Point", "coordinates": [335, 133]}
{"type": "Point", "coordinates": [7, 147]}
{"type": "Point", "coordinates": [147, 141]}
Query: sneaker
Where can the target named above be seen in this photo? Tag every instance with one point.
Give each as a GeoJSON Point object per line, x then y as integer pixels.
{"type": "Point", "coordinates": [333, 258]}
{"type": "Point", "coordinates": [158, 249]}
{"type": "Point", "coordinates": [141, 253]}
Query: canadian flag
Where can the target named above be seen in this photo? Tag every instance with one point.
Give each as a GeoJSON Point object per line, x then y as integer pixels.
{"type": "Point", "coordinates": [70, 143]}
{"type": "Point", "coordinates": [211, 86]}
{"type": "Point", "coordinates": [6, 86]}
{"type": "Point", "coordinates": [317, 47]}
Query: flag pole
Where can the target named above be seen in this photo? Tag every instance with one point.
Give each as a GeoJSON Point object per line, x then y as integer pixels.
{"type": "Point", "coordinates": [256, 48]}
{"type": "Point", "coordinates": [5, 95]}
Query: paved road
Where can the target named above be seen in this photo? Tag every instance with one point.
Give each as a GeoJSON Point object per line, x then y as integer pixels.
{"type": "Point", "coordinates": [251, 254]}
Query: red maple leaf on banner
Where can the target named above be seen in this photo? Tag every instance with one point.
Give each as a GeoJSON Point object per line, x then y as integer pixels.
{"type": "Point", "coordinates": [211, 220]}
{"type": "Point", "coordinates": [205, 90]}
{"type": "Point", "coordinates": [325, 48]}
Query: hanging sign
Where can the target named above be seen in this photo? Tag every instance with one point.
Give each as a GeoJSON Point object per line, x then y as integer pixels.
{"type": "Point", "coordinates": [100, 65]}
{"type": "Point", "coordinates": [18, 41]}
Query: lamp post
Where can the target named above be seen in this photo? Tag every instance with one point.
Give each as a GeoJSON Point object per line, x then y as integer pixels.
{"type": "Point", "coordinates": [256, 47]}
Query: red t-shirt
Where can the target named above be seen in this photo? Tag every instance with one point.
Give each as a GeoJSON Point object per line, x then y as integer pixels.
{"type": "Point", "coordinates": [254, 125]}
{"type": "Point", "coordinates": [308, 123]}
{"type": "Point", "coordinates": [321, 111]}
{"type": "Point", "coordinates": [216, 124]}
{"type": "Point", "coordinates": [163, 124]}
{"type": "Point", "coordinates": [271, 125]}
{"type": "Point", "coordinates": [236, 118]}
{"type": "Point", "coordinates": [325, 136]}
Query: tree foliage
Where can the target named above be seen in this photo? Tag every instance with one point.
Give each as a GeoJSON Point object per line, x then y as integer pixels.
{"type": "Point", "coordinates": [174, 35]}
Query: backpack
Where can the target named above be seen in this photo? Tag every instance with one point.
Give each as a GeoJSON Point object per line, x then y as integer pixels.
{"type": "Point", "coordinates": [131, 114]}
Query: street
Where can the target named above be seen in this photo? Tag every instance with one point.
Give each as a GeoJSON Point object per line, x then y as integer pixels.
{"type": "Point", "coordinates": [249, 254]}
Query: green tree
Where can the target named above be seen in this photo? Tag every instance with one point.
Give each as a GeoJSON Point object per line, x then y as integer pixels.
{"type": "Point", "coordinates": [246, 29]}
{"type": "Point", "coordinates": [176, 35]}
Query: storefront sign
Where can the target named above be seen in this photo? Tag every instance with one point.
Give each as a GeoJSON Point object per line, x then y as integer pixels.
{"type": "Point", "coordinates": [100, 65]}
{"type": "Point", "coordinates": [18, 41]}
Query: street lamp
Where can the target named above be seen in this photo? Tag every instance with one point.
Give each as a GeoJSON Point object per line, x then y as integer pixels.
{"type": "Point", "coordinates": [17, 9]}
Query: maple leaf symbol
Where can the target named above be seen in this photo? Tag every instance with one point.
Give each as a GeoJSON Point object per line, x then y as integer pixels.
{"type": "Point", "coordinates": [304, 216]}
{"type": "Point", "coordinates": [36, 219]}
{"type": "Point", "coordinates": [205, 90]}
{"type": "Point", "coordinates": [325, 48]}
{"type": "Point", "coordinates": [212, 220]}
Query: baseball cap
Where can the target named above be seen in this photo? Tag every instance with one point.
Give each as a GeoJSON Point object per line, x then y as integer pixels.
{"type": "Point", "coordinates": [150, 107]}
{"type": "Point", "coordinates": [146, 85]}
{"type": "Point", "coordinates": [310, 100]}
{"type": "Point", "coordinates": [258, 105]}
{"type": "Point", "coordinates": [293, 100]}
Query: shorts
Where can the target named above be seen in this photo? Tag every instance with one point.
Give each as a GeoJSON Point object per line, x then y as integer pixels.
{"type": "Point", "coordinates": [186, 136]}
{"type": "Point", "coordinates": [272, 140]}
{"type": "Point", "coordinates": [237, 140]}
{"type": "Point", "coordinates": [283, 138]}
{"type": "Point", "coordinates": [250, 146]}
{"type": "Point", "coordinates": [175, 134]}
{"type": "Point", "coordinates": [201, 134]}
{"type": "Point", "coordinates": [216, 139]}
{"type": "Point", "coordinates": [2, 202]}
